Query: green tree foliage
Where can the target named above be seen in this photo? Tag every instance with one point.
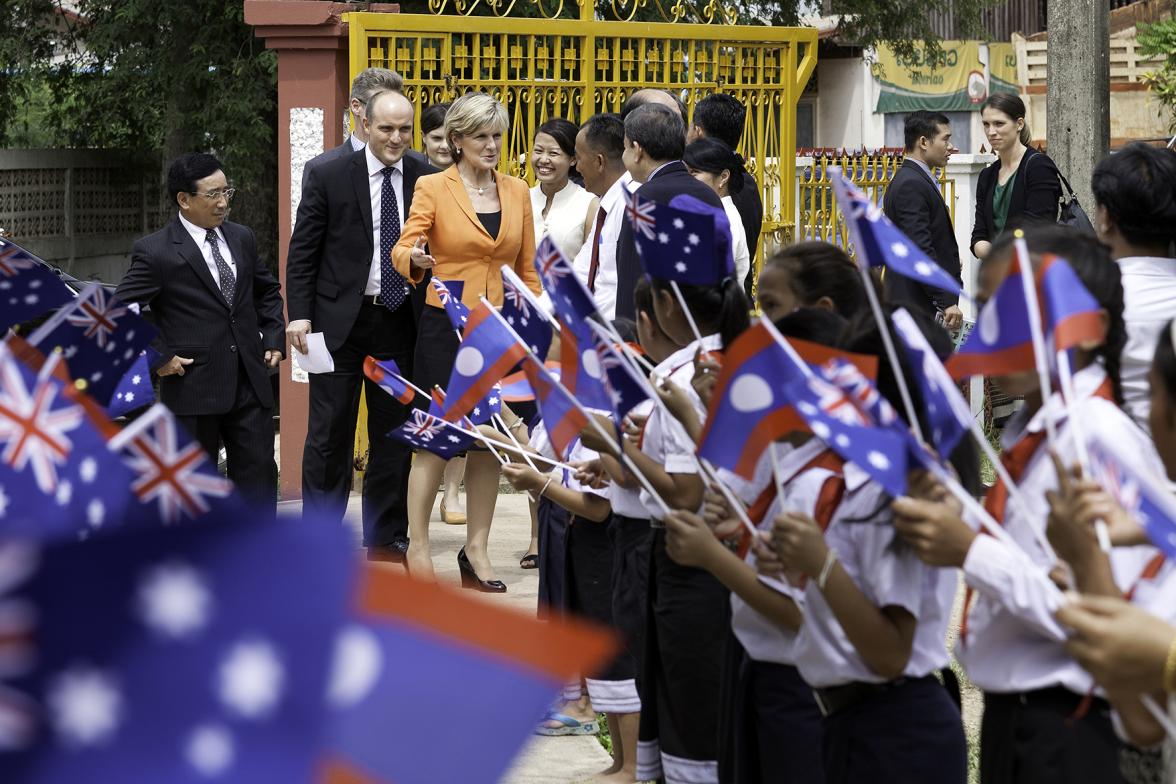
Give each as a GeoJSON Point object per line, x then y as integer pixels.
{"type": "Point", "coordinates": [1160, 39]}
{"type": "Point", "coordinates": [155, 77]}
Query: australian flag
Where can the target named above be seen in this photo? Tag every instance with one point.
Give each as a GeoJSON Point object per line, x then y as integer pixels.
{"type": "Point", "coordinates": [880, 243]}
{"type": "Point", "coordinates": [134, 391]}
{"type": "Point", "coordinates": [386, 374]}
{"type": "Point", "coordinates": [625, 389]}
{"type": "Point", "coordinates": [689, 243]}
{"type": "Point", "coordinates": [572, 301]}
{"type": "Point", "coordinates": [488, 351]}
{"type": "Point", "coordinates": [172, 477]}
{"type": "Point", "coordinates": [947, 413]}
{"type": "Point", "coordinates": [525, 315]}
{"type": "Point", "coordinates": [424, 430]}
{"type": "Point", "coordinates": [58, 477]}
{"type": "Point", "coordinates": [449, 292]}
{"type": "Point", "coordinates": [186, 655]}
{"type": "Point", "coordinates": [563, 418]}
{"type": "Point", "coordinates": [1145, 497]}
{"type": "Point", "coordinates": [99, 337]}
{"type": "Point", "coordinates": [28, 287]}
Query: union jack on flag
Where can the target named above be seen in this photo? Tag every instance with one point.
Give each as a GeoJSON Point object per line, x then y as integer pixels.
{"type": "Point", "coordinates": [28, 288]}
{"type": "Point", "coordinates": [173, 475]}
{"type": "Point", "coordinates": [641, 214]}
{"type": "Point", "coordinates": [98, 316]}
{"type": "Point", "coordinates": [433, 434]}
{"type": "Point", "coordinates": [34, 425]}
{"type": "Point", "coordinates": [860, 390]}
{"type": "Point", "coordinates": [551, 263]}
{"type": "Point", "coordinates": [425, 426]}
{"type": "Point", "coordinates": [14, 259]}
{"type": "Point", "coordinates": [449, 293]}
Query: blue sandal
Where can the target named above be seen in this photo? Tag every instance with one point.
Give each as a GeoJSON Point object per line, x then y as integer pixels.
{"type": "Point", "coordinates": [570, 726]}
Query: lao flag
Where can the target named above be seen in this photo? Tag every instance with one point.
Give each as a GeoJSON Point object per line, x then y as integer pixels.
{"type": "Point", "coordinates": [134, 391]}
{"type": "Point", "coordinates": [1001, 342]}
{"type": "Point", "coordinates": [418, 649]}
{"type": "Point", "coordinates": [516, 388]}
{"type": "Point", "coordinates": [680, 244]}
{"type": "Point", "coordinates": [487, 353]}
{"type": "Point", "coordinates": [386, 374]}
{"type": "Point", "coordinates": [947, 413]}
{"type": "Point", "coordinates": [58, 477]}
{"type": "Point", "coordinates": [580, 369]}
{"type": "Point", "coordinates": [524, 314]}
{"type": "Point", "coordinates": [572, 301]}
{"type": "Point", "coordinates": [449, 292]}
{"type": "Point", "coordinates": [181, 655]}
{"type": "Point", "coordinates": [625, 389]}
{"type": "Point", "coordinates": [28, 287]}
{"type": "Point", "coordinates": [1143, 495]}
{"type": "Point", "coordinates": [1071, 312]}
{"type": "Point", "coordinates": [99, 337]}
{"type": "Point", "coordinates": [173, 478]}
{"type": "Point", "coordinates": [424, 430]}
{"type": "Point", "coordinates": [841, 421]}
{"type": "Point", "coordinates": [881, 244]}
{"type": "Point", "coordinates": [560, 414]}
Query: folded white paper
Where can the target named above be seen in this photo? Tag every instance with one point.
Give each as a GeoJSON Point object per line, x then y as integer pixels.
{"type": "Point", "coordinates": [317, 359]}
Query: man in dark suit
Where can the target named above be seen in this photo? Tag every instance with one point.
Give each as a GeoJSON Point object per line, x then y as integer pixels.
{"type": "Point", "coordinates": [721, 116]}
{"type": "Point", "coordinates": [340, 281]}
{"type": "Point", "coordinates": [915, 204]}
{"type": "Point", "coordinates": [218, 310]}
{"type": "Point", "coordinates": [655, 137]}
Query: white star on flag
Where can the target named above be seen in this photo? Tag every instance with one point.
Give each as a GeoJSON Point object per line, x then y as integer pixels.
{"type": "Point", "coordinates": [210, 749]}
{"type": "Point", "coordinates": [173, 600]}
{"type": "Point", "coordinates": [85, 706]}
{"type": "Point", "coordinates": [251, 679]}
{"type": "Point", "coordinates": [899, 249]}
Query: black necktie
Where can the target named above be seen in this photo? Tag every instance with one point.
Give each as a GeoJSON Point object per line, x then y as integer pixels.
{"type": "Point", "coordinates": [393, 287]}
{"type": "Point", "coordinates": [228, 281]}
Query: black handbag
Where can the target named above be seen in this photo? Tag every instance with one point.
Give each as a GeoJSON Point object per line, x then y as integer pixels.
{"type": "Point", "coordinates": [1071, 212]}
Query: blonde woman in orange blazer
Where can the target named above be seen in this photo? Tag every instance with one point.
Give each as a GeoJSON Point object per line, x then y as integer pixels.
{"type": "Point", "coordinates": [474, 221]}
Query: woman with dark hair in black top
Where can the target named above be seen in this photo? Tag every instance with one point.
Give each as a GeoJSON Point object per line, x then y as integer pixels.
{"type": "Point", "coordinates": [1022, 186]}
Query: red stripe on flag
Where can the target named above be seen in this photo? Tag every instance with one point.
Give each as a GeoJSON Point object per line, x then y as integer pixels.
{"type": "Point", "coordinates": [486, 381]}
{"type": "Point", "coordinates": [559, 649]}
{"type": "Point", "coordinates": [774, 426]}
{"type": "Point", "coordinates": [1010, 360]}
{"type": "Point", "coordinates": [1078, 328]}
{"type": "Point", "coordinates": [336, 771]}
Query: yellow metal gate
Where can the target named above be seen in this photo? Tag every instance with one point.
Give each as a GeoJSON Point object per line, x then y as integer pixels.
{"type": "Point", "coordinates": [549, 65]}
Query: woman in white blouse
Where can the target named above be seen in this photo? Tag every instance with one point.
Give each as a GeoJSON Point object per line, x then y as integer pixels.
{"type": "Point", "coordinates": [713, 162]}
{"type": "Point", "coordinates": [561, 208]}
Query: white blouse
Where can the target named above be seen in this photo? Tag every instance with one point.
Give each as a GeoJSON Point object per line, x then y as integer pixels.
{"type": "Point", "coordinates": [565, 220]}
{"type": "Point", "coordinates": [738, 241]}
{"type": "Point", "coordinates": [1149, 301]}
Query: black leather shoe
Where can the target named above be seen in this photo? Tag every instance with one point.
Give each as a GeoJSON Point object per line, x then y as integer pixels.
{"type": "Point", "coordinates": [470, 579]}
{"type": "Point", "coordinates": [394, 552]}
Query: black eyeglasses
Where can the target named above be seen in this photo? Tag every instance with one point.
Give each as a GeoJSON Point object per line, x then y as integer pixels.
{"type": "Point", "coordinates": [227, 193]}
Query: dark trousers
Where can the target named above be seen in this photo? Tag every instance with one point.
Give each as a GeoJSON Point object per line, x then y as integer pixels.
{"type": "Point", "coordinates": [328, 458]}
{"type": "Point", "coordinates": [553, 539]}
{"type": "Point", "coordinates": [247, 431]}
{"type": "Point", "coordinates": [1040, 737]}
{"type": "Point", "coordinates": [911, 732]}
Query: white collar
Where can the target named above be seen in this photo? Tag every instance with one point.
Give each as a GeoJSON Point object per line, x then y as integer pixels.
{"type": "Point", "coordinates": [615, 194]}
{"type": "Point", "coordinates": [653, 173]}
{"type": "Point", "coordinates": [198, 234]}
{"type": "Point", "coordinates": [686, 354]}
{"type": "Point", "coordinates": [1146, 263]}
{"type": "Point", "coordinates": [376, 166]}
{"type": "Point", "coordinates": [356, 144]}
{"type": "Point", "coordinates": [1086, 383]}
{"type": "Point", "coordinates": [792, 463]}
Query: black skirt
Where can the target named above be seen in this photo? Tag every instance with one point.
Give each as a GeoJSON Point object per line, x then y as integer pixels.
{"type": "Point", "coordinates": [553, 537]}
{"type": "Point", "coordinates": [436, 349]}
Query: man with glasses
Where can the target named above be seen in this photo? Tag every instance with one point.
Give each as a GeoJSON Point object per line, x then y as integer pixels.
{"type": "Point", "coordinates": [218, 310]}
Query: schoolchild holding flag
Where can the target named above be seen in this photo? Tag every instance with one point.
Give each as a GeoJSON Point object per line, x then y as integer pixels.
{"type": "Point", "coordinates": [1042, 721]}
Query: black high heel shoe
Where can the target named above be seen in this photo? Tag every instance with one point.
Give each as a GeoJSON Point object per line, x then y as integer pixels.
{"type": "Point", "coordinates": [470, 579]}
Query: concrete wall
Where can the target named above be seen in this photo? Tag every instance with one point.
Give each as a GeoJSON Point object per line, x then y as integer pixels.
{"type": "Point", "coordinates": [1135, 114]}
{"type": "Point", "coordinates": [846, 98]}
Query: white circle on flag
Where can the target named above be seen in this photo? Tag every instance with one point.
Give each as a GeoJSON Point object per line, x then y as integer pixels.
{"type": "Point", "coordinates": [989, 324]}
{"type": "Point", "coordinates": [924, 268]}
{"type": "Point", "coordinates": [750, 393]}
{"type": "Point", "coordinates": [821, 430]}
{"type": "Point", "coordinates": [355, 668]}
{"type": "Point", "coordinates": [591, 362]}
{"type": "Point", "coordinates": [469, 361]}
{"type": "Point", "coordinates": [210, 749]}
{"type": "Point", "coordinates": [878, 460]}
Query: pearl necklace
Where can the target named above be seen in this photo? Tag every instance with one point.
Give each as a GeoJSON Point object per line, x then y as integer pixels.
{"type": "Point", "coordinates": [480, 190]}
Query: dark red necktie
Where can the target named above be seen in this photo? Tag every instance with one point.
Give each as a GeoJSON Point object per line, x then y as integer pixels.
{"type": "Point", "coordinates": [594, 265]}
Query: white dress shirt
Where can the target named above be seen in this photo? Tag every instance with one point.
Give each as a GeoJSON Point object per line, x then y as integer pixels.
{"type": "Point", "coordinates": [613, 204]}
{"type": "Point", "coordinates": [738, 241]}
{"type": "Point", "coordinates": [1014, 643]}
{"type": "Point", "coordinates": [375, 169]}
{"type": "Point", "coordinates": [1149, 302]}
{"type": "Point", "coordinates": [356, 144]}
{"type": "Point", "coordinates": [200, 236]}
{"type": "Point", "coordinates": [564, 222]}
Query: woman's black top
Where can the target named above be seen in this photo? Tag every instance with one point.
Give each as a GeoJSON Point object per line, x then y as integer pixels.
{"type": "Point", "coordinates": [491, 222]}
{"type": "Point", "coordinates": [1035, 198]}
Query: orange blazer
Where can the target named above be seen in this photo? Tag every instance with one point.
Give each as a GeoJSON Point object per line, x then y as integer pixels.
{"type": "Point", "coordinates": [442, 212]}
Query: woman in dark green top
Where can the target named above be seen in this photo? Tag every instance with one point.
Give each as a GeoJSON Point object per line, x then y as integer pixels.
{"type": "Point", "coordinates": [1001, 196]}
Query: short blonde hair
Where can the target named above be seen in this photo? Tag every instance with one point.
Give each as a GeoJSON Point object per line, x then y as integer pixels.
{"type": "Point", "coordinates": [471, 113]}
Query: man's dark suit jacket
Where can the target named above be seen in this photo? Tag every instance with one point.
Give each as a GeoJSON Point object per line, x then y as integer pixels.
{"type": "Point", "coordinates": [168, 273]}
{"type": "Point", "coordinates": [914, 204]}
{"type": "Point", "coordinates": [331, 247]}
{"type": "Point", "coordinates": [751, 211]}
{"type": "Point", "coordinates": [671, 180]}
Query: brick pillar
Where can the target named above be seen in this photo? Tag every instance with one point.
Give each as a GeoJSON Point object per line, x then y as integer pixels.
{"type": "Point", "coordinates": [311, 42]}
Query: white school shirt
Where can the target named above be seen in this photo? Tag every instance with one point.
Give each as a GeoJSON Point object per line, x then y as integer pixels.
{"type": "Point", "coordinates": [613, 204]}
{"type": "Point", "coordinates": [576, 454]}
{"type": "Point", "coordinates": [200, 237]}
{"type": "Point", "coordinates": [626, 501]}
{"type": "Point", "coordinates": [1156, 595]}
{"type": "Point", "coordinates": [565, 220]}
{"type": "Point", "coordinates": [375, 168]}
{"type": "Point", "coordinates": [763, 639]}
{"type": "Point", "coordinates": [1013, 642]}
{"type": "Point", "coordinates": [889, 573]}
{"type": "Point", "coordinates": [665, 440]}
{"type": "Point", "coordinates": [1149, 302]}
{"type": "Point", "coordinates": [738, 240]}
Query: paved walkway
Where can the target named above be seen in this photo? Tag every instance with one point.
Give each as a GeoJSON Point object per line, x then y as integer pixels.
{"type": "Point", "coordinates": [544, 760]}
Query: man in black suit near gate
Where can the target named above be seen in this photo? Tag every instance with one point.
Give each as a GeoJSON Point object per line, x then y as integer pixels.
{"type": "Point", "coordinates": [219, 315]}
{"type": "Point", "coordinates": [914, 203]}
{"type": "Point", "coordinates": [340, 281]}
{"type": "Point", "coordinates": [655, 138]}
